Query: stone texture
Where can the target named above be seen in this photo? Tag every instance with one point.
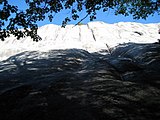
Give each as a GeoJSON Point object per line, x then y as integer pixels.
{"type": "Point", "coordinates": [74, 84]}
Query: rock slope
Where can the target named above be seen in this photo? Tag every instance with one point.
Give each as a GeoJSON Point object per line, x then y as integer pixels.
{"type": "Point", "coordinates": [92, 37]}
{"type": "Point", "coordinates": [96, 71]}
{"type": "Point", "coordinates": [75, 84]}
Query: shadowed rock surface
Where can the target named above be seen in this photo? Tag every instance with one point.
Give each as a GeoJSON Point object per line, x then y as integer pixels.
{"type": "Point", "coordinates": [76, 85]}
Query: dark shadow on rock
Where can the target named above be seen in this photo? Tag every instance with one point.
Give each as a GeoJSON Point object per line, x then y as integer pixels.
{"type": "Point", "coordinates": [74, 84]}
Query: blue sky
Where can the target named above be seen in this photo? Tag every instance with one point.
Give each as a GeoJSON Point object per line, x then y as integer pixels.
{"type": "Point", "coordinates": [107, 17]}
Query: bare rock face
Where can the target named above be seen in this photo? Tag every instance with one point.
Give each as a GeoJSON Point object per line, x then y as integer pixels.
{"type": "Point", "coordinates": [75, 84]}
{"type": "Point", "coordinates": [144, 60]}
{"type": "Point", "coordinates": [92, 37]}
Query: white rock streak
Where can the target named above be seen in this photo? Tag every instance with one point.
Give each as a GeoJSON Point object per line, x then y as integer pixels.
{"type": "Point", "coordinates": [92, 37]}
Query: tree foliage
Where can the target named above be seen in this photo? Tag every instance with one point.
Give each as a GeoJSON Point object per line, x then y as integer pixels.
{"type": "Point", "coordinates": [12, 18]}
